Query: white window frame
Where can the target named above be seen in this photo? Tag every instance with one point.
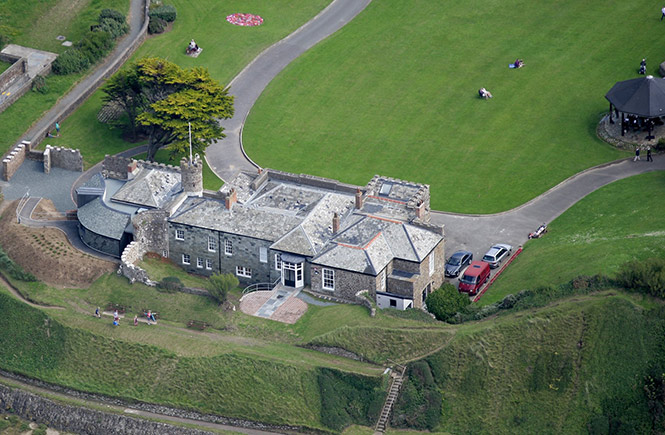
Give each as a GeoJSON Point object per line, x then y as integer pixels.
{"type": "Point", "coordinates": [212, 244]}
{"type": "Point", "coordinates": [243, 271]}
{"type": "Point", "coordinates": [208, 264]}
{"type": "Point", "coordinates": [278, 261]}
{"type": "Point", "coordinates": [179, 234]}
{"type": "Point", "coordinates": [263, 254]}
{"type": "Point", "coordinates": [228, 247]}
{"type": "Point", "coordinates": [431, 264]}
{"type": "Point", "coordinates": [330, 279]}
{"type": "Point", "coordinates": [186, 259]}
{"type": "Point", "coordinates": [199, 262]}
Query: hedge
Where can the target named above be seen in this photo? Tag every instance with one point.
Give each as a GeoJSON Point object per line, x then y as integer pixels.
{"type": "Point", "coordinates": [165, 12]}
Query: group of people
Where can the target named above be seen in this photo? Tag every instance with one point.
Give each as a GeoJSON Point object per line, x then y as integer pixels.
{"type": "Point", "coordinates": [637, 154]}
{"type": "Point", "coordinates": [116, 317]}
{"type": "Point", "coordinates": [193, 47]}
{"type": "Point", "coordinates": [485, 94]}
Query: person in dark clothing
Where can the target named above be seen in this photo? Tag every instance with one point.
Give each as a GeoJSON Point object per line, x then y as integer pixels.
{"type": "Point", "coordinates": [643, 66]}
{"type": "Point", "coordinates": [649, 158]}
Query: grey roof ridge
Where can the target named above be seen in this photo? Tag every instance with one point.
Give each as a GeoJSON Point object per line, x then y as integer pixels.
{"type": "Point", "coordinates": [257, 191]}
{"type": "Point", "coordinates": [370, 262]}
{"type": "Point", "coordinates": [408, 237]}
{"type": "Point", "coordinates": [114, 209]}
{"type": "Point", "coordinates": [188, 208]}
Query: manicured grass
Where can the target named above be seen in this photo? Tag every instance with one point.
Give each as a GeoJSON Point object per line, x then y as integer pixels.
{"type": "Point", "coordinates": [620, 222]}
{"type": "Point", "coordinates": [34, 25]}
{"type": "Point", "coordinates": [4, 66]}
{"type": "Point", "coordinates": [395, 93]}
{"type": "Point", "coordinates": [210, 180]}
{"type": "Point", "coordinates": [226, 50]}
{"type": "Point", "coordinates": [552, 370]}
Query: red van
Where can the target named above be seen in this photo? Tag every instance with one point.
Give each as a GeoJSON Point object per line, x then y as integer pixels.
{"type": "Point", "coordinates": [474, 277]}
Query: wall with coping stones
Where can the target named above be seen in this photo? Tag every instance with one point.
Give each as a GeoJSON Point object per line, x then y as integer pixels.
{"type": "Point", "coordinates": [13, 161]}
{"type": "Point", "coordinates": [65, 158]}
{"type": "Point", "coordinates": [117, 166]}
{"type": "Point", "coordinates": [18, 72]}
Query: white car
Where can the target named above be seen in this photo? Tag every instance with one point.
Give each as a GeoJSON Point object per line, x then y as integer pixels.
{"type": "Point", "coordinates": [497, 254]}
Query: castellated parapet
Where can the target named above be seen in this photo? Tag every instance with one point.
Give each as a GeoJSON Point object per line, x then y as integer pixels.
{"type": "Point", "coordinates": [192, 176]}
{"type": "Point", "coordinates": [123, 168]}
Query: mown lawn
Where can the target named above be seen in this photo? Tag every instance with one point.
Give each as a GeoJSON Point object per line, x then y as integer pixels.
{"type": "Point", "coordinates": [395, 93]}
{"type": "Point", "coordinates": [622, 221]}
{"type": "Point", "coordinates": [226, 50]}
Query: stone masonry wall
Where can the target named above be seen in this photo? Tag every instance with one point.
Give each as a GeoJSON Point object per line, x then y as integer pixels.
{"type": "Point", "coordinates": [16, 72]}
{"type": "Point", "coordinates": [82, 420]}
{"type": "Point", "coordinates": [117, 166]}
{"type": "Point", "coordinates": [150, 231]}
{"type": "Point", "coordinates": [65, 158]}
{"type": "Point", "coordinates": [18, 68]}
{"type": "Point", "coordinates": [347, 284]}
{"type": "Point", "coordinates": [312, 180]}
{"type": "Point", "coordinates": [13, 161]}
{"type": "Point", "coordinates": [130, 255]}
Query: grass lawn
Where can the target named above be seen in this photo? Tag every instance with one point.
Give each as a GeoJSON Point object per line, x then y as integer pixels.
{"type": "Point", "coordinates": [4, 66]}
{"type": "Point", "coordinates": [395, 93]}
{"type": "Point", "coordinates": [617, 223]}
{"type": "Point", "coordinates": [36, 24]}
{"type": "Point", "coordinates": [226, 50]}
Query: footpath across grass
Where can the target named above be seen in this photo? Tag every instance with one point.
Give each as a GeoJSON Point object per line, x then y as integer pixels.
{"type": "Point", "coordinates": [620, 222]}
{"type": "Point", "coordinates": [395, 92]}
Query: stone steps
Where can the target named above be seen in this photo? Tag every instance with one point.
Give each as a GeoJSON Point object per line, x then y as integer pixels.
{"type": "Point", "coordinates": [397, 378]}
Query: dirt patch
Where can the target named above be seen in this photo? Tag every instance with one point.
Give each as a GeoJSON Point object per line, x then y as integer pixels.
{"type": "Point", "coordinates": [47, 254]}
{"type": "Point", "coordinates": [46, 211]}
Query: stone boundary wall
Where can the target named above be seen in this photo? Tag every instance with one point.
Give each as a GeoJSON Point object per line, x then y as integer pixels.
{"type": "Point", "coordinates": [117, 166]}
{"type": "Point", "coordinates": [312, 180]}
{"type": "Point", "coordinates": [13, 160]}
{"type": "Point", "coordinates": [109, 70]}
{"type": "Point", "coordinates": [158, 409]}
{"type": "Point", "coordinates": [6, 57]}
{"type": "Point", "coordinates": [19, 67]}
{"type": "Point", "coordinates": [82, 420]}
{"type": "Point", "coordinates": [130, 255]}
{"type": "Point", "coordinates": [60, 157]}
{"type": "Point", "coordinates": [18, 71]}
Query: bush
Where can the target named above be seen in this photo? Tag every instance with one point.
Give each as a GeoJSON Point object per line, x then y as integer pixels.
{"type": "Point", "coordinates": [446, 301]}
{"type": "Point", "coordinates": [220, 284]}
{"type": "Point", "coordinates": [165, 12]}
{"type": "Point", "coordinates": [170, 284]}
{"type": "Point", "coordinates": [95, 45]}
{"type": "Point", "coordinates": [114, 28]}
{"type": "Point", "coordinates": [70, 61]}
{"type": "Point", "coordinates": [660, 146]}
{"type": "Point", "coordinates": [39, 85]}
{"type": "Point", "coordinates": [646, 276]}
{"type": "Point", "coordinates": [420, 402]}
{"type": "Point", "coordinates": [156, 25]}
{"type": "Point", "coordinates": [113, 15]}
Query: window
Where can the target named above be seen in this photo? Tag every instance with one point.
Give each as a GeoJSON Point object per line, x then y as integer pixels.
{"type": "Point", "coordinates": [393, 303]}
{"type": "Point", "coordinates": [180, 234]}
{"type": "Point", "coordinates": [328, 279]}
{"type": "Point", "coordinates": [278, 261]}
{"type": "Point", "coordinates": [199, 262]}
{"type": "Point", "coordinates": [263, 254]}
{"type": "Point", "coordinates": [228, 247]}
{"type": "Point", "coordinates": [431, 264]}
{"type": "Point", "coordinates": [245, 272]}
{"type": "Point", "coordinates": [212, 244]}
{"type": "Point", "coordinates": [185, 259]}
{"type": "Point", "coordinates": [208, 264]}
{"type": "Point", "coordinates": [165, 254]}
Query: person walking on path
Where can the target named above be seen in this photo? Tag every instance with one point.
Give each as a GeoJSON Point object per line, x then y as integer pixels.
{"type": "Point", "coordinates": [637, 154]}
{"type": "Point", "coordinates": [57, 128]}
{"type": "Point", "coordinates": [136, 320]}
{"type": "Point", "coordinates": [649, 158]}
{"type": "Point", "coordinates": [663, 14]}
{"type": "Point", "coordinates": [97, 313]}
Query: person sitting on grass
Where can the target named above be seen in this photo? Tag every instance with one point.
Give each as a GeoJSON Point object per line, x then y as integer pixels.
{"type": "Point", "coordinates": [519, 63]}
{"type": "Point", "coordinates": [484, 93]}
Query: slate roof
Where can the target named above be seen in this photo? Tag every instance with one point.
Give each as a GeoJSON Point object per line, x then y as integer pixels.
{"type": "Point", "coordinates": [150, 188]}
{"type": "Point", "coordinates": [99, 218]}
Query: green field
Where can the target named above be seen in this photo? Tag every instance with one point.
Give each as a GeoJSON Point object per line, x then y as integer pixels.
{"type": "Point", "coordinates": [617, 223]}
{"type": "Point", "coordinates": [395, 93]}
{"type": "Point", "coordinates": [226, 50]}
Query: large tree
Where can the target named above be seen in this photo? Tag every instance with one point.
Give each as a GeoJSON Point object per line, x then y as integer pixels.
{"type": "Point", "coordinates": [124, 90]}
{"type": "Point", "coordinates": [169, 98]}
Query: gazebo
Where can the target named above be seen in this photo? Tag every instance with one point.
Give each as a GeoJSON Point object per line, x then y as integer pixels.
{"type": "Point", "coordinates": [642, 99]}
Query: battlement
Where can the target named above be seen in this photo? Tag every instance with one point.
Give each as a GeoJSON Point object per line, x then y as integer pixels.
{"type": "Point", "coordinates": [121, 168]}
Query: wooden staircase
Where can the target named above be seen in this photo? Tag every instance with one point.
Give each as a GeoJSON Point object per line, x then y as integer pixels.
{"type": "Point", "coordinates": [396, 379]}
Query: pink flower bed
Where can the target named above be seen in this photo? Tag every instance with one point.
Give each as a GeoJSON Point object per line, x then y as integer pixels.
{"type": "Point", "coordinates": [245, 19]}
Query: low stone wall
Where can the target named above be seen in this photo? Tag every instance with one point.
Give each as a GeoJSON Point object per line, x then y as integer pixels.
{"type": "Point", "coordinates": [82, 420]}
{"type": "Point", "coordinates": [312, 180]}
{"type": "Point", "coordinates": [130, 255]}
{"type": "Point", "coordinates": [65, 158]}
{"type": "Point", "coordinates": [18, 68]}
{"type": "Point", "coordinates": [117, 167]}
{"type": "Point", "coordinates": [13, 160]}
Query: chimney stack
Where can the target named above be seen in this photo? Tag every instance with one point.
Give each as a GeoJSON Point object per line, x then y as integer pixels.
{"type": "Point", "coordinates": [359, 199]}
{"type": "Point", "coordinates": [231, 198]}
{"type": "Point", "coordinates": [420, 210]}
{"type": "Point", "coordinates": [335, 226]}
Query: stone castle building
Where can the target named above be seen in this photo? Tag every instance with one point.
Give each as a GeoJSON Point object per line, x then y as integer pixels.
{"type": "Point", "coordinates": [272, 227]}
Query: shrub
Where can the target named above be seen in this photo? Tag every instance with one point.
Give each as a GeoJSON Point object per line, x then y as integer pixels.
{"type": "Point", "coordinates": [156, 25]}
{"type": "Point", "coordinates": [165, 12]}
{"type": "Point", "coordinates": [170, 284]}
{"type": "Point", "coordinates": [646, 276]}
{"type": "Point", "coordinates": [446, 301]}
{"type": "Point", "coordinates": [95, 45]}
{"type": "Point", "coordinates": [39, 85]}
{"type": "Point", "coordinates": [220, 284]}
{"type": "Point", "coordinates": [660, 146]}
{"type": "Point", "coordinates": [420, 402]}
{"type": "Point", "coordinates": [114, 28]}
{"type": "Point", "coordinates": [70, 61]}
{"type": "Point", "coordinates": [113, 15]}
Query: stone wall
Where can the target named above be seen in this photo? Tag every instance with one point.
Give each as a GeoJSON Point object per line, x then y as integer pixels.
{"type": "Point", "coordinates": [120, 168]}
{"type": "Point", "coordinates": [347, 284]}
{"type": "Point", "coordinates": [60, 157]}
{"type": "Point", "coordinates": [18, 72]}
{"type": "Point", "coordinates": [151, 231]}
{"type": "Point", "coordinates": [312, 180]}
{"type": "Point", "coordinates": [192, 176]}
{"type": "Point", "coordinates": [18, 68]}
{"type": "Point", "coordinates": [14, 160]}
{"type": "Point", "coordinates": [130, 255]}
{"type": "Point", "coordinates": [82, 420]}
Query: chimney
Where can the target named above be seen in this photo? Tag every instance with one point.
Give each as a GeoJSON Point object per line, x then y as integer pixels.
{"type": "Point", "coordinates": [335, 223]}
{"type": "Point", "coordinates": [359, 199]}
{"type": "Point", "coordinates": [420, 210]}
{"type": "Point", "coordinates": [231, 198]}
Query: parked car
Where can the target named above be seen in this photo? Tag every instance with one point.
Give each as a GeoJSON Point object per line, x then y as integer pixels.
{"type": "Point", "coordinates": [457, 262]}
{"type": "Point", "coordinates": [474, 277]}
{"type": "Point", "coordinates": [497, 254]}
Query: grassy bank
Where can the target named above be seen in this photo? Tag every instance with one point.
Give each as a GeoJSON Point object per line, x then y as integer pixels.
{"type": "Point", "coordinates": [401, 99]}
{"type": "Point", "coordinates": [617, 223]}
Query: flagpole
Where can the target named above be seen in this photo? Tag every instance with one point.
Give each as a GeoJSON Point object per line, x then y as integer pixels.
{"type": "Point", "coordinates": [190, 142]}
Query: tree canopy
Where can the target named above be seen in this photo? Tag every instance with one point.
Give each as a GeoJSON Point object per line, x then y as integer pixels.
{"type": "Point", "coordinates": [162, 99]}
{"type": "Point", "coordinates": [446, 301]}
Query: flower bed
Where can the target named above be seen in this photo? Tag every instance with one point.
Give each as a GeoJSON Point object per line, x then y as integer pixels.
{"type": "Point", "coordinates": [244, 19]}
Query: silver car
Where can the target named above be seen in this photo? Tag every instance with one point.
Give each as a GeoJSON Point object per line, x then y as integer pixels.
{"type": "Point", "coordinates": [497, 254]}
{"type": "Point", "coordinates": [457, 262]}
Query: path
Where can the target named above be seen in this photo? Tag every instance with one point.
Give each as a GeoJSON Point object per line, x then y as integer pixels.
{"type": "Point", "coordinates": [226, 157]}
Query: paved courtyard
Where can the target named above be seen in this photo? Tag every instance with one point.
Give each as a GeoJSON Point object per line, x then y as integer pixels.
{"type": "Point", "coordinates": [281, 304]}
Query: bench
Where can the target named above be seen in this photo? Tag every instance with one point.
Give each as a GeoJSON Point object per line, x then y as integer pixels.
{"type": "Point", "coordinates": [154, 313]}
{"type": "Point", "coordinates": [115, 307]}
{"type": "Point", "coordinates": [197, 324]}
